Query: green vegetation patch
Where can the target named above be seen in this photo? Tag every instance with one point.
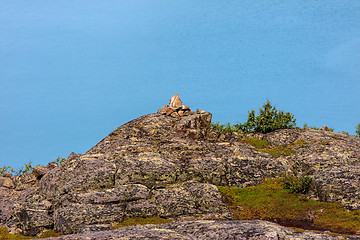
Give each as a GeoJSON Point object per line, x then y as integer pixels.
{"type": "Point", "coordinates": [267, 120]}
{"type": "Point", "coordinates": [271, 201]}
{"type": "Point", "coordinates": [278, 151]}
{"type": "Point", "coordinates": [4, 234]}
{"type": "Point", "coordinates": [300, 143]}
{"type": "Point", "coordinates": [141, 221]}
{"type": "Point", "coordinates": [357, 130]}
{"type": "Point", "coordinates": [258, 143]}
{"type": "Point", "coordinates": [282, 150]}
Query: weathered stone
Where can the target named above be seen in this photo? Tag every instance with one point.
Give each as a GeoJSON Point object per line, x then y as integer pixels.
{"type": "Point", "coordinates": [39, 171]}
{"type": "Point", "coordinates": [199, 230]}
{"type": "Point", "coordinates": [94, 228]}
{"type": "Point", "coordinates": [119, 194]}
{"type": "Point", "coordinates": [27, 178]}
{"type": "Point", "coordinates": [324, 128]}
{"type": "Point", "coordinates": [6, 182]}
{"type": "Point", "coordinates": [88, 172]}
{"type": "Point", "coordinates": [174, 114]}
{"type": "Point", "coordinates": [9, 205]}
{"type": "Point", "coordinates": [175, 102]}
{"type": "Point", "coordinates": [7, 174]}
{"type": "Point", "coordinates": [73, 217]}
{"type": "Point", "coordinates": [72, 156]}
{"type": "Point", "coordinates": [52, 165]}
{"type": "Point", "coordinates": [184, 107]}
{"type": "Point", "coordinates": [33, 221]}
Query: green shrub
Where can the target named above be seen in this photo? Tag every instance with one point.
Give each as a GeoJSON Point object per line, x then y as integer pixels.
{"type": "Point", "coordinates": [223, 128]}
{"type": "Point", "coordinates": [358, 130]}
{"type": "Point", "coordinates": [21, 171]}
{"type": "Point", "coordinates": [28, 168]}
{"type": "Point", "coordinates": [296, 184]}
{"type": "Point", "coordinates": [6, 169]}
{"type": "Point", "coordinates": [60, 160]}
{"type": "Point", "coordinates": [269, 119]}
{"type": "Point", "coordinates": [305, 126]}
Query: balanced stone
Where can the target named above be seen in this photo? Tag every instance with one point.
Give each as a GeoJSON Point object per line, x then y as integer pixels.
{"type": "Point", "coordinates": [175, 102]}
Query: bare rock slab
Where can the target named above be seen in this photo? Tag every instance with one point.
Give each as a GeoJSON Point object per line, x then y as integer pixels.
{"type": "Point", "coordinates": [200, 230]}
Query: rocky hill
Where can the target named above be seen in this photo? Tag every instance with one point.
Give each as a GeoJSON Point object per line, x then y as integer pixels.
{"type": "Point", "coordinates": [169, 165]}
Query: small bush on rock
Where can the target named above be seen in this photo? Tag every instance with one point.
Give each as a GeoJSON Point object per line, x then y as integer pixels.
{"type": "Point", "coordinates": [223, 128]}
{"type": "Point", "coordinates": [60, 160]}
{"type": "Point", "coordinates": [28, 168]}
{"type": "Point", "coordinates": [358, 130]}
{"type": "Point", "coordinates": [269, 119]}
{"type": "Point", "coordinates": [297, 184]}
{"type": "Point", "coordinates": [6, 169]}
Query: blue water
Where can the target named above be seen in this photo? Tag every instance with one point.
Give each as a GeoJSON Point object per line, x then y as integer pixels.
{"type": "Point", "coordinates": [73, 71]}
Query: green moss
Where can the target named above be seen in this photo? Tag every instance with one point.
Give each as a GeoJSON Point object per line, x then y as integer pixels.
{"type": "Point", "coordinates": [278, 151]}
{"type": "Point", "coordinates": [4, 234]}
{"type": "Point", "coordinates": [49, 234]}
{"type": "Point", "coordinates": [270, 201]}
{"type": "Point", "coordinates": [141, 221]}
{"type": "Point", "coordinates": [258, 143]}
{"type": "Point", "coordinates": [300, 143]}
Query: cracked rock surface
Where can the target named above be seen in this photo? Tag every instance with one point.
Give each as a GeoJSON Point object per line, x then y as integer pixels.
{"type": "Point", "coordinates": [199, 230]}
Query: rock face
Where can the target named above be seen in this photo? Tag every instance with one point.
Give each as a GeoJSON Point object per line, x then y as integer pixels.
{"type": "Point", "coordinates": [199, 230]}
{"type": "Point", "coordinates": [169, 167]}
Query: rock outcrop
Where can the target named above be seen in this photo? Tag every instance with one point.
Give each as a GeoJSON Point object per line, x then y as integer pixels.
{"type": "Point", "coordinates": [200, 230]}
{"type": "Point", "coordinates": [169, 167]}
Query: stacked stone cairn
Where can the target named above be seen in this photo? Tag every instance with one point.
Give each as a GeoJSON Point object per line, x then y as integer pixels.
{"type": "Point", "coordinates": [175, 108]}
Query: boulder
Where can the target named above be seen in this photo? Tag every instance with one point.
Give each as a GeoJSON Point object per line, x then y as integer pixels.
{"type": "Point", "coordinates": [324, 128]}
{"type": "Point", "coordinates": [39, 171]}
{"type": "Point", "coordinates": [72, 156]}
{"type": "Point", "coordinates": [6, 182]}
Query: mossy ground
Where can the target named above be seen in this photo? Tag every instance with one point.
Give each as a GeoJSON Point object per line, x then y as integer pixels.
{"type": "Point", "coordinates": [258, 143]}
{"type": "Point", "coordinates": [270, 201]}
{"type": "Point", "coordinates": [5, 235]}
{"type": "Point", "coordinates": [141, 221]}
{"type": "Point", "coordinates": [263, 146]}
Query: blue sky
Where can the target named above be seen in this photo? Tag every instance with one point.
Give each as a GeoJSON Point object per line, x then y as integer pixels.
{"type": "Point", "coordinates": [73, 71]}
